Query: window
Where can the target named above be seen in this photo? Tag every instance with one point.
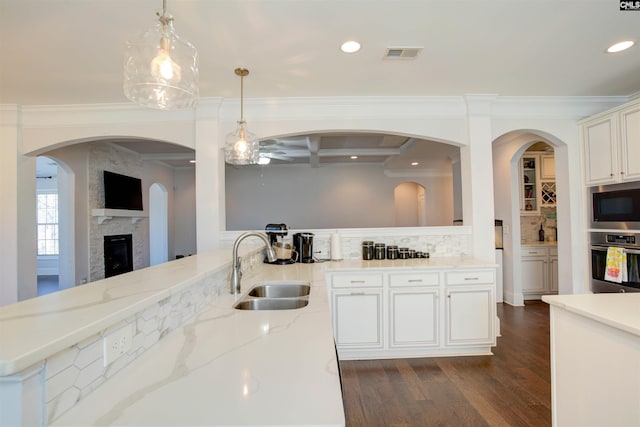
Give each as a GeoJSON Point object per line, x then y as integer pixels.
{"type": "Point", "coordinates": [47, 211]}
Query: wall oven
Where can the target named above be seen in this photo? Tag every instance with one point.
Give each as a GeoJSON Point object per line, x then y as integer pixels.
{"type": "Point", "coordinates": [600, 242]}
{"type": "Point", "coordinates": [616, 206]}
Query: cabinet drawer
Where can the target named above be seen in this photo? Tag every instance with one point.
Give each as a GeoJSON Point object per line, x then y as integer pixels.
{"type": "Point", "coordinates": [470, 277]}
{"type": "Point", "coordinates": [533, 251]}
{"type": "Point", "coordinates": [369, 280]}
{"type": "Point", "coordinates": [414, 279]}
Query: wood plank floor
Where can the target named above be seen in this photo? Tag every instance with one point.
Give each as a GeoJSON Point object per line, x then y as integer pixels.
{"type": "Point", "coordinates": [510, 388]}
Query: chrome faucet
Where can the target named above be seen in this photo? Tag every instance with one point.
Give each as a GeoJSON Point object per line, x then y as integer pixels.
{"type": "Point", "coordinates": [236, 274]}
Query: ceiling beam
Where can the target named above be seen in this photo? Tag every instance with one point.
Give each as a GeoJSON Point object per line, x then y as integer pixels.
{"type": "Point", "coordinates": [359, 152]}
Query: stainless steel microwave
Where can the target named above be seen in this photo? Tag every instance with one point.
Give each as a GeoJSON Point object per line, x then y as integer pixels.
{"type": "Point", "coordinates": [616, 206]}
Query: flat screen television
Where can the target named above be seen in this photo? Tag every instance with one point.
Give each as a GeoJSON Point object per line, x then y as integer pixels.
{"type": "Point", "coordinates": [122, 192]}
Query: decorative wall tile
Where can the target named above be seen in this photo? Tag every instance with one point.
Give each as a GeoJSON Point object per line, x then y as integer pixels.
{"type": "Point", "coordinates": [89, 354]}
{"type": "Point", "coordinates": [61, 361]}
{"type": "Point", "coordinates": [90, 373]}
{"type": "Point", "coordinates": [59, 383]}
{"type": "Point", "coordinates": [62, 403]}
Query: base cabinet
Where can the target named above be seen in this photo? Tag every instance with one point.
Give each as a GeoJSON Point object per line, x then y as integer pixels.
{"type": "Point", "coordinates": [396, 312]}
{"type": "Point", "coordinates": [539, 267]}
{"type": "Point", "coordinates": [414, 318]}
{"type": "Point", "coordinates": [358, 318]}
{"type": "Point", "coordinates": [467, 312]}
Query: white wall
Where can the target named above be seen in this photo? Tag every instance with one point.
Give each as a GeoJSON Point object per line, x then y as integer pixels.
{"type": "Point", "coordinates": [153, 172]}
{"type": "Point", "coordinates": [357, 196]}
{"type": "Point", "coordinates": [184, 184]}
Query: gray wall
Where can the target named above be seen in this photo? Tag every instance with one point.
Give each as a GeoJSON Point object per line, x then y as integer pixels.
{"type": "Point", "coordinates": [325, 197]}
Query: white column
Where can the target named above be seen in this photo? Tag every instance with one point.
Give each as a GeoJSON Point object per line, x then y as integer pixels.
{"type": "Point", "coordinates": [209, 178]}
{"type": "Point", "coordinates": [22, 398]}
{"type": "Point", "coordinates": [477, 176]}
{"type": "Point", "coordinates": [9, 122]}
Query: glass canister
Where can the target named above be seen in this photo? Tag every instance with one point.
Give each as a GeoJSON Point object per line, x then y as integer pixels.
{"type": "Point", "coordinates": [367, 250]}
{"type": "Point", "coordinates": [380, 251]}
{"type": "Point", "coordinates": [412, 253]}
{"type": "Point", "coordinates": [403, 253]}
{"type": "Point", "coordinates": [392, 252]}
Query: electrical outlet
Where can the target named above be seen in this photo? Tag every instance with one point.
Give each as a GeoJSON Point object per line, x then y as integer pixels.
{"type": "Point", "coordinates": [116, 344]}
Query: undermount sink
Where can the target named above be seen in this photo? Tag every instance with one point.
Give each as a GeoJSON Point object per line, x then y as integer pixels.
{"type": "Point", "coordinates": [275, 296]}
{"type": "Point", "coordinates": [271, 303]}
{"type": "Point", "coordinates": [280, 290]}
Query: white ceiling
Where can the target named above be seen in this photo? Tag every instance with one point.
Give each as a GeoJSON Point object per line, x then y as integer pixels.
{"type": "Point", "coordinates": [71, 51]}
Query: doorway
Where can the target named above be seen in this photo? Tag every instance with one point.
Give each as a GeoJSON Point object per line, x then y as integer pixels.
{"type": "Point", "coordinates": [410, 205]}
{"type": "Point", "coordinates": [158, 224]}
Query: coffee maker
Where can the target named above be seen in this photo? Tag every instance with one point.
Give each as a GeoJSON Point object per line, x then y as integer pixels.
{"type": "Point", "coordinates": [282, 246]}
{"type": "Point", "coordinates": [303, 244]}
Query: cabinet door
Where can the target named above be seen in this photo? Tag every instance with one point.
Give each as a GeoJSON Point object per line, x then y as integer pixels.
{"type": "Point", "coordinates": [547, 167]}
{"type": "Point", "coordinates": [357, 318]}
{"type": "Point", "coordinates": [470, 315]}
{"type": "Point", "coordinates": [600, 150]}
{"type": "Point", "coordinates": [630, 143]}
{"type": "Point", "coordinates": [534, 274]}
{"type": "Point", "coordinates": [413, 315]}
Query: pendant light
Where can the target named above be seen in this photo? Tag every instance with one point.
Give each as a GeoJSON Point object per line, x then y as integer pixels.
{"type": "Point", "coordinates": [161, 69]}
{"type": "Point", "coordinates": [242, 147]}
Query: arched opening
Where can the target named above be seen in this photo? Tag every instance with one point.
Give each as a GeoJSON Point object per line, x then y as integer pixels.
{"type": "Point", "coordinates": [520, 226]}
{"type": "Point", "coordinates": [158, 224]}
{"type": "Point", "coordinates": [410, 205]}
{"type": "Point", "coordinates": [55, 202]}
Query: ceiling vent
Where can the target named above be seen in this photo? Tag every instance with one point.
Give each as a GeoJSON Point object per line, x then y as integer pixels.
{"type": "Point", "coordinates": [402, 52]}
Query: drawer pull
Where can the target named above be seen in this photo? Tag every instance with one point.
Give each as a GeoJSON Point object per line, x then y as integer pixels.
{"type": "Point", "coordinates": [357, 281]}
{"type": "Point", "coordinates": [357, 293]}
{"type": "Point", "coordinates": [471, 278]}
{"type": "Point", "coordinates": [415, 280]}
{"type": "Point", "coordinates": [533, 253]}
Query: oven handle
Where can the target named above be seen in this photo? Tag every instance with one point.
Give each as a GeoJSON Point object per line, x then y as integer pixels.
{"type": "Point", "coordinates": [604, 248]}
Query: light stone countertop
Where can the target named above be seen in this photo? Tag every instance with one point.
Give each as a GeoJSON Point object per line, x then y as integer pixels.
{"type": "Point", "coordinates": [226, 367]}
{"type": "Point", "coordinates": [546, 243]}
{"type": "Point", "coordinates": [618, 310]}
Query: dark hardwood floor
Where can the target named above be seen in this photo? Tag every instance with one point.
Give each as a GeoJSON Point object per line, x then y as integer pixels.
{"type": "Point", "coordinates": [510, 388]}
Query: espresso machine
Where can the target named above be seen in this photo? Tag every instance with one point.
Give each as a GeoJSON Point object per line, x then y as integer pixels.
{"type": "Point", "coordinates": [303, 244]}
{"type": "Point", "coordinates": [281, 244]}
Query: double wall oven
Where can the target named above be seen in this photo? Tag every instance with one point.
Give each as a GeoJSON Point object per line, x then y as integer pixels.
{"type": "Point", "coordinates": [615, 214]}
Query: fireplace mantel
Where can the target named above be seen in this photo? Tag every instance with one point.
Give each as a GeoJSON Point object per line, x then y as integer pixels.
{"type": "Point", "coordinates": [103, 215]}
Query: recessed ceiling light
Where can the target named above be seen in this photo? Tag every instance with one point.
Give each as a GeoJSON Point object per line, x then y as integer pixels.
{"type": "Point", "coordinates": [414, 163]}
{"type": "Point", "coordinates": [619, 47]}
{"type": "Point", "coordinates": [353, 157]}
{"type": "Point", "coordinates": [351, 46]}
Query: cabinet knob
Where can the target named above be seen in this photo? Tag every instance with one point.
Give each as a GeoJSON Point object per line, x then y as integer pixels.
{"type": "Point", "coordinates": [611, 175]}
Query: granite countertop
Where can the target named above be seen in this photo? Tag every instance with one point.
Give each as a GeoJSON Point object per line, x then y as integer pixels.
{"type": "Point", "coordinates": [618, 310]}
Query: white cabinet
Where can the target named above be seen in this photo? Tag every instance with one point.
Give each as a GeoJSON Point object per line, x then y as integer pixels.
{"type": "Point", "coordinates": [402, 312]}
{"type": "Point", "coordinates": [414, 309]}
{"type": "Point", "coordinates": [357, 310]}
{"type": "Point", "coordinates": [357, 318]}
{"type": "Point", "coordinates": [470, 309]}
{"type": "Point", "coordinates": [537, 182]}
{"type": "Point", "coordinates": [539, 267]}
{"type": "Point", "coordinates": [609, 143]}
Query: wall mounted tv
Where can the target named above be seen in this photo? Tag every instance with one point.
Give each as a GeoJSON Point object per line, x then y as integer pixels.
{"type": "Point", "coordinates": [122, 192]}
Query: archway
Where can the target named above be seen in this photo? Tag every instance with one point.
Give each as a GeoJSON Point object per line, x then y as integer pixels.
{"type": "Point", "coordinates": [410, 205]}
{"type": "Point", "coordinates": [158, 224]}
{"type": "Point", "coordinates": [507, 151]}
{"type": "Point", "coordinates": [55, 191]}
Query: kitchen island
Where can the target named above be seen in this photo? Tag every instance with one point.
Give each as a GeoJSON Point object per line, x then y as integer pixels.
{"type": "Point", "coordinates": [194, 359]}
{"type": "Point", "coordinates": [595, 359]}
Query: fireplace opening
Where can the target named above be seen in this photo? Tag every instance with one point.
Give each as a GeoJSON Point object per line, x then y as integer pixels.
{"type": "Point", "coordinates": [118, 254]}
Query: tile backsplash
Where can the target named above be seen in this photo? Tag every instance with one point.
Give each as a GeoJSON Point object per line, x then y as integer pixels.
{"type": "Point", "coordinates": [530, 226]}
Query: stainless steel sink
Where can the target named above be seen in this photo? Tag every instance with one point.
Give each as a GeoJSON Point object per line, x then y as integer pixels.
{"type": "Point", "coordinates": [280, 290]}
{"type": "Point", "coordinates": [275, 295]}
{"type": "Point", "coordinates": [271, 303]}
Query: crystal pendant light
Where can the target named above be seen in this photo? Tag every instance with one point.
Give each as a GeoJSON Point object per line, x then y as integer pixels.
{"type": "Point", "coordinates": [161, 69]}
{"type": "Point", "coordinates": [242, 147]}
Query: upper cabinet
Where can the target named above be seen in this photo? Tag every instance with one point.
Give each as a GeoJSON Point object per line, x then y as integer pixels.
{"type": "Point", "coordinates": [611, 144]}
{"type": "Point", "coordinates": [537, 182]}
